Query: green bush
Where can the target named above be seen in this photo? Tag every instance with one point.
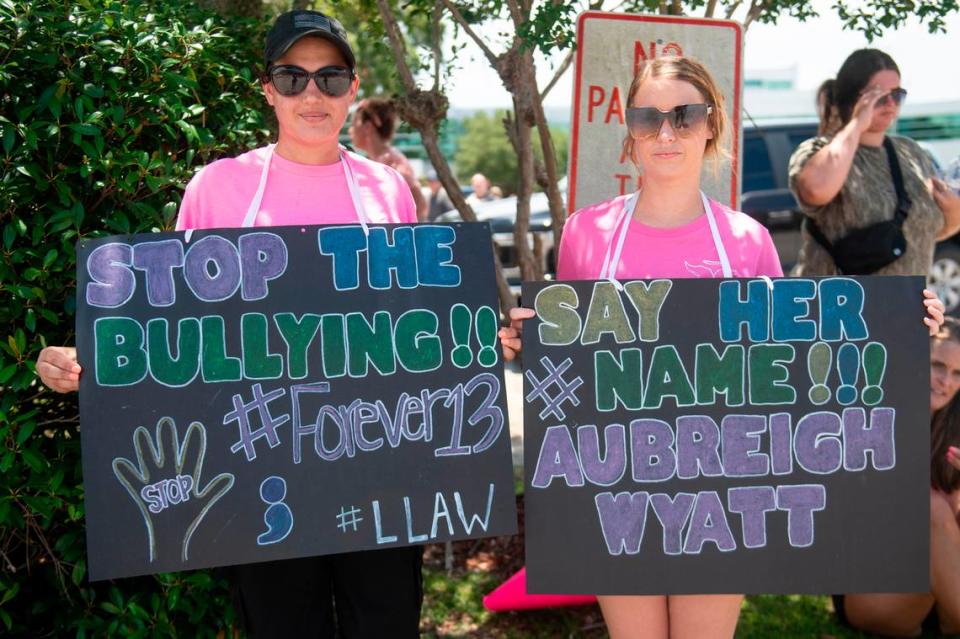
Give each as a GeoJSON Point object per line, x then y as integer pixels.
{"type": "Point", "coordinates": [106, 111]}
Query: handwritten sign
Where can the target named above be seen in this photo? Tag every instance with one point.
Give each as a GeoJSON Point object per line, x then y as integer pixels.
{"type": "Point", "coordinates": [251, 395]}
{"type": "Point", "coordinates": [610, 46]}
{"type": "Point", "coordinates": [727, 436]}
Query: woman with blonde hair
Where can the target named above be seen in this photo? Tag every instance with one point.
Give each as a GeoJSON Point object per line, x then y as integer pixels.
{"type": "Point", "coordinates": [669, 228]}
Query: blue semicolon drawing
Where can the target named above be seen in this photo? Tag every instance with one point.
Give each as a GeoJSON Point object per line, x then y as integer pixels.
{"type": "Point", "coordinates": [278, 516]}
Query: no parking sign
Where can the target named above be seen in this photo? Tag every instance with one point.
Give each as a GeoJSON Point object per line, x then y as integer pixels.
{"type": "Point", "coordinates": [609, 48]}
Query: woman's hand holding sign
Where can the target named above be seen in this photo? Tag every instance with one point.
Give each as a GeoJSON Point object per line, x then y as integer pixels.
{"type": "Point", "coordinates": [57, 367]}
{"type": "Point", "coordinates": [511, 336]}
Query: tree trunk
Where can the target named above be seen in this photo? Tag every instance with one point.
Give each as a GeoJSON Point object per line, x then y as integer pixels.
{"type": "Point", "coordinates": [522, 139]}
{"type": "Point", "coordinates": [558, 214]}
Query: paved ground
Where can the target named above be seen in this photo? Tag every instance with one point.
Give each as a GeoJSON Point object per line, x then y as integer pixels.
{"type": "Point", "coordinates": [513, 378]}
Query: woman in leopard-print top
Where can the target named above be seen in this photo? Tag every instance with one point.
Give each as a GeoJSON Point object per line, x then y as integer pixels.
{"type": "Point", "coordinates": [842, 179]}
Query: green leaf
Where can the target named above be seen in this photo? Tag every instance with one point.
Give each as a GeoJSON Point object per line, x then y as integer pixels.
{"type": "Point", "coordinates": [24, 432]}
{"type": "Point", "coordinates": [34, 461]}
{"type": "Point", "coordinates": [85, 129]}
{"type": "Point", "coordinates": [93, 90]}
{"type": "Point", "coordinates": [78, 572]}
{"type": "Point", "coordinates": [7, 373]}
{"type": "Point", "coordinates": [9, 135]}
{"type": "Point", "coordinates": [10, 593]}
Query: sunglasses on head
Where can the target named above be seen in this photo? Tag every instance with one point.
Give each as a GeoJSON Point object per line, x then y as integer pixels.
{"type": "Point", "coordinates": [292, 80]}
{"type": "Point", "coordinates": [897, 96]}
{"type": "Point", "coordinates": [684, 119]}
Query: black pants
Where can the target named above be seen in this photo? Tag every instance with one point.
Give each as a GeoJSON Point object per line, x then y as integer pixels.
{"type": "Point", "coordinates": [359, 595]}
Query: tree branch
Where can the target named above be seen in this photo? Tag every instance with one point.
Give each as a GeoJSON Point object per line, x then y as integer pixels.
{"type": "Point", "coordinates": [732, 9]}
{"type": "Point", "coordinates": [396, 45]}
{"type": "Point", "coordinates": [435, 44]}
{"type": "Point", "coordinates": [516, 13]}
{"type": "Point", "coordinates": [756, 8]}
{"type": "Point", "coordinates": [458, 17]}
{"type": "Point", "coordinates": [711, 9]}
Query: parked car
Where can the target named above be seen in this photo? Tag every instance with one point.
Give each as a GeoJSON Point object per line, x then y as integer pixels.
{"type": "Point", "coordinates": [767, 148]}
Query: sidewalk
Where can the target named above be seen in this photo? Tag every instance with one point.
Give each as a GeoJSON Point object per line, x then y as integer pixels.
{"type": "Point", "coordinates": [513, 386]}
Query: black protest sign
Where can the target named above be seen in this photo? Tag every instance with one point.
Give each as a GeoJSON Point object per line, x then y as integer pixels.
{"type": "Point", "coordinates": [727, 436]}
{"type": "Point", "coordinates": [251, 395]}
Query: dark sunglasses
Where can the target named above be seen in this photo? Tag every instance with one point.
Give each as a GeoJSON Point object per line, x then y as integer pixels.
{"type": "Point", "coordinates": [897, 96]}
{"type": "Point", "coordinates": [292, 80]}
{"type": "Point", "coordinates": [646, 121]}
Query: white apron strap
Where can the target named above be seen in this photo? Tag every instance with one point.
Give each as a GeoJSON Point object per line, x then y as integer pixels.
{"type": "Point", "coordinates": [717, 241]}
{"type": "Point", "coordinates": [257, 200]}
{"type": "Point", "coordinates": [254, 207]}
{"type": "Point", "coordinates": [615, 249]}
{"type": "Point", "coordinates": [354, 191]}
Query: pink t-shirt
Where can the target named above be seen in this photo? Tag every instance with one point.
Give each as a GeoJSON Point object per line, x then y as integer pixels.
{"type": "Point", "coordinates": [648, 252]}
{"type": "Point", "coordinates": [219, 195]}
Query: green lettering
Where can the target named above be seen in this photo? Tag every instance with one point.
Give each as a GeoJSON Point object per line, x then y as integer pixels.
{"type": "Point", "coordinates": [619, 379]}
{"type": "Point", "coordinates": [418, 346]}
{"type": "Point", "coordinates": [767, 372]}
{"type": "Point", "coordinates": [334, 346]}
{"type": "Point", "coordinates": [606, 315]}
{"type": "Point", "coordinates": [258, 361]}
{"type": "Point", "coordinates": [648, 298]}
{"type": "Point", "coordinates": [215, 365]}
{"type": "Point", "coordinates": [298, 334]}
{"type": "Point", "coordinates": [556, 306]}
{"type": "Point", "coordinates": [667, 378]}
{"type": "Point", "coordinates": [121, 360]}
{"type": "Point", "coordinates": [164, 367]}
{"type": "Point", "coordinates": [719, 374]}
{"type": "Point", "coordinates": [373, 343]}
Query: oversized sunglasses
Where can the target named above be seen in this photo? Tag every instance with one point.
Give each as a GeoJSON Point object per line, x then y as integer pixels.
{"type": "Point", "coordinates": [897, 96]}
{"type": "Point", "coordinates": [292, 80]}
{"type": "Point", "coordinates": [684, 119]}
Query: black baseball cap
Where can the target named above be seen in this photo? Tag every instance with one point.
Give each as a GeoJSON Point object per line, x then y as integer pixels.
{"type": "Point", "coordinates": [293, 25]}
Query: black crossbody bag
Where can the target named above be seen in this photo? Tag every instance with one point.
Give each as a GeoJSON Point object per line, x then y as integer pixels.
{"type": "Point", "coordinates": [868, 249]}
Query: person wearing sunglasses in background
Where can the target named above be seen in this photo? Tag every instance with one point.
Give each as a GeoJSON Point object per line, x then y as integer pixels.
{"type": "Point", "coordinates": [846, 180]}
{"type": "Point", "coordinates": [310, 81]}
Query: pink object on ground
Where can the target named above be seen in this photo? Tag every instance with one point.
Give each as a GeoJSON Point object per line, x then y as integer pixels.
{"type": "Point", "coordinates": [512, 595]}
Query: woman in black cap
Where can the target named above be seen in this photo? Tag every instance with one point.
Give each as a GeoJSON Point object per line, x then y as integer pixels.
{"type": "Point", "coordinates": [310, 81]}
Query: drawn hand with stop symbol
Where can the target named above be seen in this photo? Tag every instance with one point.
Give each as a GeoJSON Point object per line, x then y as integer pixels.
{"type": "Point", "coordinates": [165, 484]}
